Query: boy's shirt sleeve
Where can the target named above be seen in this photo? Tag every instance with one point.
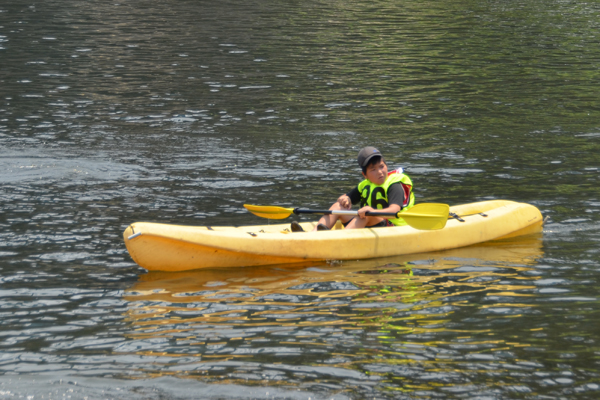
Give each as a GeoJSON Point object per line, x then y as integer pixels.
{"type": "Point", "coordinates": [395, 194]}
{"type": "Point", "coordinates": [354, 195]}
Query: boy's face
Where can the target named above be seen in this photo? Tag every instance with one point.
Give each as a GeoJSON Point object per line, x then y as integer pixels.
{"type": "Point", "coordinates": [377, 172]}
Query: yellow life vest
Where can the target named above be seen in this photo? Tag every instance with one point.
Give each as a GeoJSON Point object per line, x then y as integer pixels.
{"type": "Point", "coordinates": [376, 195]}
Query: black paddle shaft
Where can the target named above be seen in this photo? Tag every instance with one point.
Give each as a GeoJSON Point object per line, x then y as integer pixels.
{"type": "Point", "coordinates": [299, 211]}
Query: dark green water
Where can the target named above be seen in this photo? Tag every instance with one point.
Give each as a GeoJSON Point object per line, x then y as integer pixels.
{"type": "Point", "coordinates": [180, 112]}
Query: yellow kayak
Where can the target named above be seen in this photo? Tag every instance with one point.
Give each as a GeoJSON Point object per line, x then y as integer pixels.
{"type": "Point", "coordinates": [162, 247]}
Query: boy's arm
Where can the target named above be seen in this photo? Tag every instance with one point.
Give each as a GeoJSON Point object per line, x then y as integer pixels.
{"type": "Point", "coordinates": [352, 197]}
{"type": "Point", "coordinates": [393, 208]}
{"type": "Point", "coordinates": [396, 194]}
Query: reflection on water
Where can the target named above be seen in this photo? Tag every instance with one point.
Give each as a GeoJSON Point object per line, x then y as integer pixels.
{"type": "Point", "coordinates": [357, 322]}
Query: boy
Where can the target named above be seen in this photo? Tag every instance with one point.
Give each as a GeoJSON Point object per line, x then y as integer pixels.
{"type": "Point", "coordinates": [380, 191]}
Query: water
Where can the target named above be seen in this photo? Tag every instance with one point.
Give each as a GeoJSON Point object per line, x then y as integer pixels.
{"type": "Point", "coordinates": [180, 112]}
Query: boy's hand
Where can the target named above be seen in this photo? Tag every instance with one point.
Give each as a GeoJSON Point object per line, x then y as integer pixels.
{"type": "Point", "coordinates": [364, 210]}
{"type": "Point", "coordinates": [345, 202]}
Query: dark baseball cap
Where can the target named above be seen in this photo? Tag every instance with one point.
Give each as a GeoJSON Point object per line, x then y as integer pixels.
{"type": "Point", "coordinates": [365, 155]}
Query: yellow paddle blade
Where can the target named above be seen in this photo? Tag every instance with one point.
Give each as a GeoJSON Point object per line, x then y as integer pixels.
{"type": "Point", "coordinates": [426, 216]}
{"type": "Point", "coordinates": [270, 212]}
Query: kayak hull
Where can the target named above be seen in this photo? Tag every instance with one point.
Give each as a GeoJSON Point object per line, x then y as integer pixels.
{"type": "Point", "coordinates": [162, 247]}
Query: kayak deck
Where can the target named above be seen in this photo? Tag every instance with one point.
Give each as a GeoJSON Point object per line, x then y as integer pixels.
{"type": "Point", "coordinates": [162, 247]}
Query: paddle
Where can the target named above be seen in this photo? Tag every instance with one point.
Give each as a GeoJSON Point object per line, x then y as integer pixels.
{"type": "Point", "coordinates": [424, 216]}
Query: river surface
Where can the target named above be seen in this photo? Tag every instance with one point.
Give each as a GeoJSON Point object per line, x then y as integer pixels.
{"type": "Point", "coordinates": [182, 111]}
